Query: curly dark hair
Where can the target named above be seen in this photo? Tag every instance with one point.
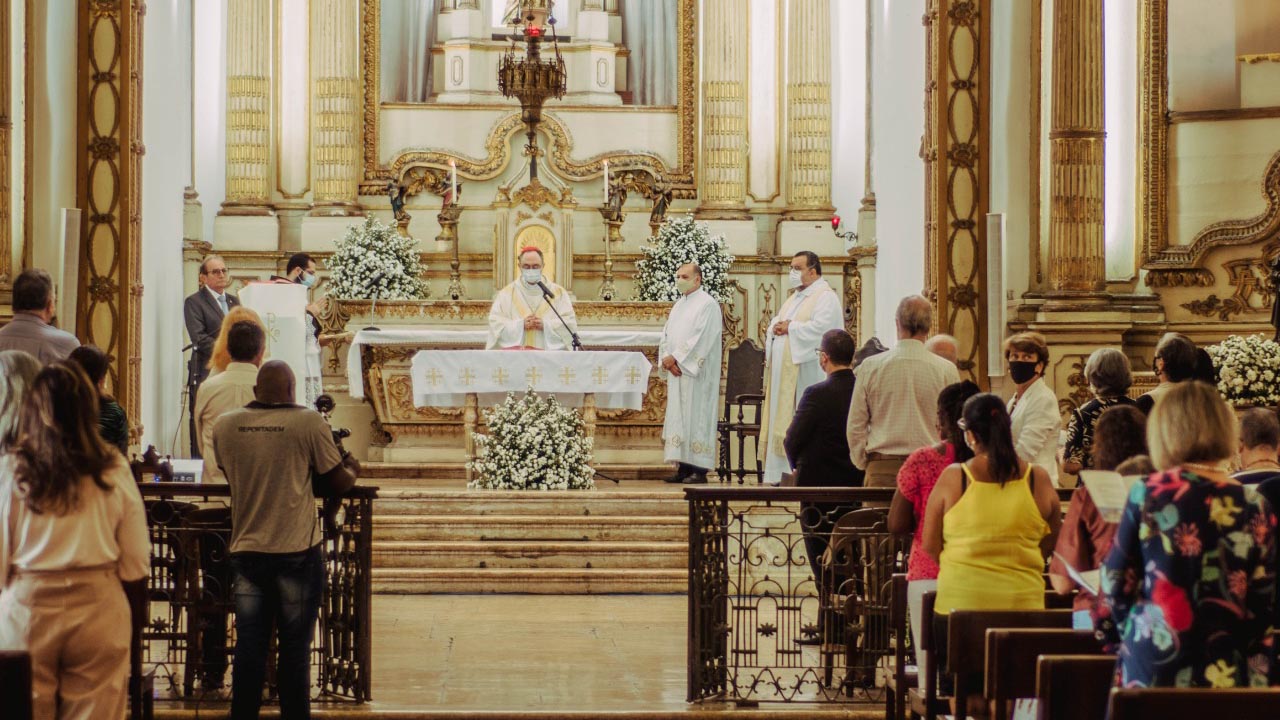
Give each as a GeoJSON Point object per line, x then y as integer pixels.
{"type": "Point", "coordinates": [1119, 434]}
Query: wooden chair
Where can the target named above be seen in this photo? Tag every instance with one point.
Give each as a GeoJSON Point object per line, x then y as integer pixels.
{"type": "Point", "coordinates": [743, 401]}
{"type": "Point", "coordinates": [967, 641]}
{"type": "Point", "coordinates": [1074, 687]}
{"type": "Point", "coordinates": [1189, 703]}
{"type": "Point", "coordinates": [899, 680]}
{"type": "Point", "coordinates": [1011, 660]}
{"type": "Point", "coordinates": [15, 684]}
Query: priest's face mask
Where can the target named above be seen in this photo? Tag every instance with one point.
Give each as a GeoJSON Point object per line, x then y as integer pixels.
{"type": "Point", "coordinates": [531, 267]}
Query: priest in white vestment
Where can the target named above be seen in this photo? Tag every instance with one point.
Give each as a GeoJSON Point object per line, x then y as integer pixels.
{"type": "Point", "coordinates": [522, 317]}
{"type": "Point", "coordinates": [791, 356]}
{"type": "Point", "coordinates": [690, 353]}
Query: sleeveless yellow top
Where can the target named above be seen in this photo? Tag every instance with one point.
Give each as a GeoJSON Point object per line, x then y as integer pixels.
{"type": "Point", "coordinates": [991, 549]}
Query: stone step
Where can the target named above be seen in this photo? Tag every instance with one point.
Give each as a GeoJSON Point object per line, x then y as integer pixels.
{"type": "Point", "coordinates": [528, 528]}
{"type": "Point", "coordinates": [537, 581]}
{"type": "Point", "coordinates": [565, 555]}
{"type": "Point", "coordinates": [401, 501]}
{"type": "Point", "coordinates": [374, 472]}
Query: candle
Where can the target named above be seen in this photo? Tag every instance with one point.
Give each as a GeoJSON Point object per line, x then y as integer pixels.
{"type": "Point", "coordinates": [453, 182]}
{"type": "Point", "coordinates": [606, 180]}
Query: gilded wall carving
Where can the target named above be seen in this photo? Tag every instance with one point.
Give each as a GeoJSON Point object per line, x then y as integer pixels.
{"type": "Point", "coordinates": [109, 188]}
{"type": "Point", "coordinates": [956, 169]}
{"type": "Point", "coordinates": [1252, 290]}
{"type": "Point", "coordinates": [1153, 128]}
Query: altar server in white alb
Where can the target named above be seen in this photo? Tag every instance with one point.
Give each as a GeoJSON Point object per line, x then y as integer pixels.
{"type": "Point", "coordinates": [521, 315]}
{"type": "Point", "coordinates": [791, 356]}
{"type": "Point", "coordinates": [690, 358]}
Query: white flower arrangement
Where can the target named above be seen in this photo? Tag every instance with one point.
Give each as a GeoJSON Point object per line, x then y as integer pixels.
{"type": "Point", "coordinates": [533, 443]}
{"type": "Point", "coordinates": [681, 240]}
{"type": "Point", "coordinates": [374, 261]}
{"type": "Point", "coordinates": [1248, 370]}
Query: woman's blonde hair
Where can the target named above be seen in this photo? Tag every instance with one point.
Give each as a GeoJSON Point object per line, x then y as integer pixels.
{"type": "Point", "coordinates": [1191, 423]}
{"type": "Point", "coordinates": [18, 369]}
{"type": "Point", "coordinates": [220, 358]}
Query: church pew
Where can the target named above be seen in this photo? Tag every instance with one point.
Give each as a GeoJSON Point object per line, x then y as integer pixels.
{"type": "Point", "coordinates": [1193, 703]}
{"type": "Point", "coordinates": [1011, 660]}
{"type": "Point", "coordinates": [967, 641]}
{"type": "Point", "coordinates": [900, 680]}
{"type": "Point", "coordinates": [924, 702]}
{"type": "Point", "coordinates": [15, 684]}
{"type": "Point", "coordinates": [1074, 687]}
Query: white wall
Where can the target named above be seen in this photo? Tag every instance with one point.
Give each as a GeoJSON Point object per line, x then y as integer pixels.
{"type": "Point", "coordinates": [1202, 54]}
{"type": "Point", "coordinates": [53, 128]}
{"type": "Point", "coordinates": [1121, 172]}
{"type": "Point", "coordinates": [898, 172]}
{"type": "Point", "coordinates": [1012, 24]}
{"type": "Point", "coordinates": [849, 102]}
{"type": "Point", "coordinates": [210, 108]}
{"type": "Point", "coordinates": [166, 132]}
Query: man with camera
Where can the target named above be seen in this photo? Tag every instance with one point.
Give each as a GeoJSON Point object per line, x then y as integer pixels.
{"type": "Point", "coordinates": [278, 457]}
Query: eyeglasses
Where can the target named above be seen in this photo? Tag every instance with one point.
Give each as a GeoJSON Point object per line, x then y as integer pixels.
{"type": "Point", "coordinates": [219, 271]}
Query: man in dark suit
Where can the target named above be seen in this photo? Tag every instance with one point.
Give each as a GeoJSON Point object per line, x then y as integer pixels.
{"type": "Point", "coordinates": [817, 445]}
{"type": "Point", "coordinates": [203, 312]}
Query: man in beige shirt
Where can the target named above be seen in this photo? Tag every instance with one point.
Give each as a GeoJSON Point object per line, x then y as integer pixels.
{"type": "Point", "coordinates": [895, 398]}
{"type": "Point", "coordinates": [229, 390]}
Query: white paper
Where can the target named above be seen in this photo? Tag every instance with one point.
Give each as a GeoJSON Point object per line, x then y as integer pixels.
{"type": "Point", "coordinates": [1109, 490]}
{"type": "Point", "coordinates": [1089, 580]}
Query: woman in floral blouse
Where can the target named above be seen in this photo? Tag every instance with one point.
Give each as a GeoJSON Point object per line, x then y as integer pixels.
{"type": "Point", "coordinates": [1107, 371]}
{"type": "Point", "coordinates": [1188, 589]}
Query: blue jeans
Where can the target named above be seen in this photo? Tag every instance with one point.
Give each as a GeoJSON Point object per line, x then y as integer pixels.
{"type": "Point", "coordinates": [284, 590]}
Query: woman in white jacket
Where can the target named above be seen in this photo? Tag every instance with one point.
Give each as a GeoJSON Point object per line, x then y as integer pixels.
{"type": "Point", "coordinates": [1034, 406]}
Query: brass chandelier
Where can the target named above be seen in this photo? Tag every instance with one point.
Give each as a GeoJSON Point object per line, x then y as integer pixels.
{"type": "Point", "coordinates": [529, 78]}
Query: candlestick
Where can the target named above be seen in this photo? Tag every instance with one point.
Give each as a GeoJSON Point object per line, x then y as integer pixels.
{"type": "Point", "coordinates": [453, 181]}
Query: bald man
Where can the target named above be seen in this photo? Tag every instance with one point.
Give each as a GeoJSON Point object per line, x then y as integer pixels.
{"type": "Point", "coordinates": [270, 451]}
{"type": "Point", "coordinates": [944, 346]}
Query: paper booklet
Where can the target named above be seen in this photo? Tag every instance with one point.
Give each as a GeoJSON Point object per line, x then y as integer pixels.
{"type": "Point", "coordinates": [1089, 580]}
{"type": "Point", "coordinates": [1109, 491]}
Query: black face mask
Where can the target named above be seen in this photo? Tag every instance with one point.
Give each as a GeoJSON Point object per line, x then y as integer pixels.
{"type": "Point", "coordinates": [1022, 370]}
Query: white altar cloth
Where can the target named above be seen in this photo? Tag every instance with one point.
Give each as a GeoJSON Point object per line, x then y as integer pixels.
{"type": "Point", "coordinates": [443, 378]}
{"type": "Point", "coordinates": [591, 338]}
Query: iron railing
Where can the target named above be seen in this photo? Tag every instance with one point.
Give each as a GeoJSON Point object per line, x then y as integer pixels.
{"type": "Point", "coordinates": [191, 630]}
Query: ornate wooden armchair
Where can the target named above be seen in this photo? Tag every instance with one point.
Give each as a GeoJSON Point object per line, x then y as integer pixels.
{"type": "Point", "coordinates": [743, 398]}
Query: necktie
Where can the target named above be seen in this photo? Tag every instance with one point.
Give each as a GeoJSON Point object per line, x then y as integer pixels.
{"type": "Point", "coordinates": [222, 303]}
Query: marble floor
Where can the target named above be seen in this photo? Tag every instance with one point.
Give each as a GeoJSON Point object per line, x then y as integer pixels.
{"type": "Point", "coordinates": [497, 656]}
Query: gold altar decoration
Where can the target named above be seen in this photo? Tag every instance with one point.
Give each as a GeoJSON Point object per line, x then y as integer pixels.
{"type": "Point", "coordinates": [681, 177]}
{"type": "Point", "coordinates": [109, 188]}
{"type": "Point", "coordinates": [530, 79]}
{"type": "Point", "coordinates": [1252, 291]}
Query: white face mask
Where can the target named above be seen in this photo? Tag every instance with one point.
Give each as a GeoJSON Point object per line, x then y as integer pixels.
{"type": "Point", "coordinates": [531, 276]}
{"type": "Point", "coordinates": [794, 278]}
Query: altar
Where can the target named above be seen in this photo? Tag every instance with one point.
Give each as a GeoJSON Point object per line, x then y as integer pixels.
{"type": "Point", "coordinates": [375, 368]}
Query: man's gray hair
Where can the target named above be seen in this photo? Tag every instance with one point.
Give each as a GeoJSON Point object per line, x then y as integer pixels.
{"type": "Point", "coordinates": [915, 315]}
{"type": "Point", "coordinates": [1108, 371]}
{"type": "Point", "coordinates": [944, 346]}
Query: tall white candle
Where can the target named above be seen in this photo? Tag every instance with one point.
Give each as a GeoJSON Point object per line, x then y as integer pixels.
{"type": "Point", "coordinates": [453, 182]}
{"type": "Point", "coordinates": [606, 180]}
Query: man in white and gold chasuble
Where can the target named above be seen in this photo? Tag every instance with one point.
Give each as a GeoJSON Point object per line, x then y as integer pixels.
{"type": "Point", "coordinates": [689, 353]}
{"type": "Point", "coordinates": [791, 355]}
{"type": "Point", "coordinates": [522, 317]}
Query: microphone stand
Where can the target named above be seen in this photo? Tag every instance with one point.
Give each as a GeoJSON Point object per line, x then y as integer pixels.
{"type": "Point", "coordinates": [373, 307]}
{"type": "Point", "coordinates": [546, 294]}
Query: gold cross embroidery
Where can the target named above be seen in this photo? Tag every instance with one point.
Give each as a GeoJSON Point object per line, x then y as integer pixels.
{"type": "Point", "coordinates": [633, 375]}
{"type": "Point", "coordinates": [466, 377]}
{"type": "Point", "coordinates": [566, 375]}
{"type": "Point", "coordinates": [533, 375]}
{"type": "Point", "coordinates": [272, 330]}
{"type": "Point", "coordinates": [433, 377]}
{"type": "Point", "coordinates": [600, 374]}
{"type": "Point", "coordinates": [500, 376]}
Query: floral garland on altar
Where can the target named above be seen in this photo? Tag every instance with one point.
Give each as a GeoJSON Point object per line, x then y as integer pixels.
{"type": "Point", "coordinates": [1248, 370]}
{"type": "Point", "coordinates": [681, 240]}
{"type": "Point", "coordinates": [375, 261]}
{"type": "Point", "coordinates": [533, 443]}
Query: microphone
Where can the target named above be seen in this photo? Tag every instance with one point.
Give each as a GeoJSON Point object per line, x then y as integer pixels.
{"type": "Point", "coordinates": [545, 290]}
{"type": "Point", "coordinates": [188, 347]}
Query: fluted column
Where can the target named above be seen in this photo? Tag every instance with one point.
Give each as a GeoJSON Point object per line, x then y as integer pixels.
{"type": "Point", "coordinates": [1076, 241]}
{"type": "Point", "coordinates": [724, 105]}
{"type": "Point", "coordinates": [809, 106]}
{"type": "Point", "coordinates": [249, 25]}
{"type": "Point", "coordinates": [335, 98]}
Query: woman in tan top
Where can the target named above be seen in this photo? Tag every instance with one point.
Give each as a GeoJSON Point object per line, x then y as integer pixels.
{"type": "Point", "coordinates": [72, 530]}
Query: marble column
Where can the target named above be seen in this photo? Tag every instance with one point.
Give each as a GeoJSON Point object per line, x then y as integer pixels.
{"type": "Point", "coordinates": [724, 107]}
{"type": "Point", "coordinates": [809, 109]}
{"type": "Point", "coordinates": [335, 98]}
{"type": "Point", "coordinates": [249, 24]}
{"type": "Point", "coordinates": [1076, 239]}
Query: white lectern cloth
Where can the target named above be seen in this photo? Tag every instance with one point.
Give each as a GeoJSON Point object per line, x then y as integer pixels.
{"type": "Point", "coordinates": [283, 309]}
{"type": "Point", "coordinates": [442, 378]}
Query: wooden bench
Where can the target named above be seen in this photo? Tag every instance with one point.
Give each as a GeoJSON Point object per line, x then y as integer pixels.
{"type": "Point", "coordinates": [15, 684]}
{"type": "Point", "coordinates": [899, 681]}
{"type": "Point", "coordinates": [967, 641]}
{"type": "Point", "coordinates": [1074, 687]}
{"type": "Point", "coordinates": [1193, 703]}
{"type": "Point", "coordinates": [924, 701]}
{"type": "Point", "coordinates": [1011, 660]}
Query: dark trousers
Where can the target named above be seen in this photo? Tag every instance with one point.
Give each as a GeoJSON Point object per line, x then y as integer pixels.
{"type": "Point", "coordinates": [284, 589]}
{"type": "Point", "coordinates": [817, 520]}
{"type": "Point", "coordinates": [193, 385]}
